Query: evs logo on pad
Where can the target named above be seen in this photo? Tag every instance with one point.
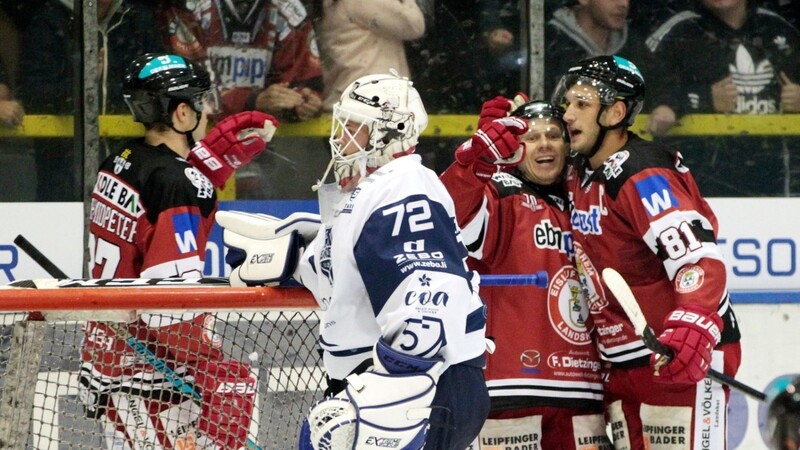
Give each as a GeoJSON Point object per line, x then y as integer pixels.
{"type": "Point", "coordinates": [656, 195]}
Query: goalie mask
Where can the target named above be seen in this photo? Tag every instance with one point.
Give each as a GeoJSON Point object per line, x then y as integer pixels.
{"type": "Point", "coordinates": [377, 119]}
{"type": "Point", "coordinates": [783, 415]}
{"type": "Point", "coordinates": [155, 83]}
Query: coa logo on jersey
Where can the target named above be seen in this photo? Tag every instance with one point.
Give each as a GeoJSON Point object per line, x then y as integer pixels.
{"type": "Point", "coordinates": [590, 281]}
{"type": "Point", "coordinates": [567, 307]}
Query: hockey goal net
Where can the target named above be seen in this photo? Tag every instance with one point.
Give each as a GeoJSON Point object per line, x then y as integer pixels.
{"type": "Point", "coordinates": [273, 330]}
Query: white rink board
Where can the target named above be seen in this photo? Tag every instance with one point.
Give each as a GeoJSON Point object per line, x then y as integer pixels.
{"type": "Point", "coordinates": [770, 343]}
{"type": "Point", "coordinates": [760, 240]}
{"type": "Point", "coordinates": [56, 229]}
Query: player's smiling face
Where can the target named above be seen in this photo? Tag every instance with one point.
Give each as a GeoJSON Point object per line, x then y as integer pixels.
{"type": "Point", "coordinates": [581, 106]}
{"type": "Point", "coordinates": [545, 151]}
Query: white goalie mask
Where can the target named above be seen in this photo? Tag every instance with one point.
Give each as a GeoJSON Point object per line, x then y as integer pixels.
{"type": "Point", "coordinates": [377, 119]}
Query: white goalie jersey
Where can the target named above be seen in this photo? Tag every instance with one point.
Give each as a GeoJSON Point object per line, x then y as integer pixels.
{"type": "Point", "coordinates": [391, 264]}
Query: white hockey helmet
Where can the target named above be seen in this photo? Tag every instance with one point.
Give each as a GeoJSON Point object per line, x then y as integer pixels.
{"type": "Point", "coordinates": [390, 109]}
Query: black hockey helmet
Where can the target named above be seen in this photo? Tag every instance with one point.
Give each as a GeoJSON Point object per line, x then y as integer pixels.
{"type": "Point", "coordinates": [154, 80]}
{"type": "Point", "coordinates": [614, 77]}
{"type": "Point", "coordinates": [540, 109]}
{"type": "Point", "coordinates": [783, 414]}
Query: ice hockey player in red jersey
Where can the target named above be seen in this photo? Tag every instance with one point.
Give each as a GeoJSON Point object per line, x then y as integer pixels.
{"type": "Point", "coordinates": [636, 208]}
{"type": "Point", "coordinates": [152, 210]}
{"type": "Point", "coordinates": [544, 376]}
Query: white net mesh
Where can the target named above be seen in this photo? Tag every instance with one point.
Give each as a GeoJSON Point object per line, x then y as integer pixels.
{"type": "Point", "coordinates": [40, 364]}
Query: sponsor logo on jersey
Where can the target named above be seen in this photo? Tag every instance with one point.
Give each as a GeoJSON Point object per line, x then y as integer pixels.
{"type": "Point", "coordinates": [587, 222]}
{"type": "Point", "coordinates": [611, 330]}
{"type": "Point", "coordinates": [186, 226]}
{"type": "Point", "coordinates": [656, 194]}
{"type": "Point", "coordinates": [118, 193]}
{"type": "Point", "coordinates": [506, 179]}
{"type": "Point", "coordinates": [572, 360]}
{"type": "Point", "coordinates": [240, 67]}
{"type": "Point", "coordinates": [414, 256]}
{"type": "Point", "coordinates": [547, 236]}
{"type": "Point", "coordinates": [612, 168]}
{"type": "Point", "coordinates": [530, 360]}
{"type": "Point", "coordinates": [426, 298]}
{"type": "Point", "coordinates": [567, 307]}
{"type": "Point", "coordinates": [204, 187]}
{"type": "Point", "coordinates": [689, 279]}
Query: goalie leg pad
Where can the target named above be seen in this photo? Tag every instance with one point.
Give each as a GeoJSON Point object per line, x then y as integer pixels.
{"type": "Point", "coordinates": [376, 411]}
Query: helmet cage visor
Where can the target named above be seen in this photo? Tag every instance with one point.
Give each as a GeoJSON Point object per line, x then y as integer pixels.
{"type": "Point", "coordinates": [575, 87]}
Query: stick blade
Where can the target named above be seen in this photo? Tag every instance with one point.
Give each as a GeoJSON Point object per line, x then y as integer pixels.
{"type": "Point", "coordinates": [619, 287]}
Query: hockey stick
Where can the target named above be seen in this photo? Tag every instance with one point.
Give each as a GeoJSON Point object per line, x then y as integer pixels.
{"type": "Point", "coordinates": [619, 287]}
{"type": "Point", "coordinates": [538, 279]}
{"type": "Point", "coordinates": [136, 345]}
{"type": "Point", "coordinates": [37, 256]}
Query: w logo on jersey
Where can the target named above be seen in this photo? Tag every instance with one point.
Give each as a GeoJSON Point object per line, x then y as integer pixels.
{"type": "Point", "coordinates": [186, 226]}
{"type": "Point", "coordinates": [656, 195]}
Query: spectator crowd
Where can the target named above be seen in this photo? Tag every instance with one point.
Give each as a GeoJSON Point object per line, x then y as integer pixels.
{"type": "Point", "coordinates": [293, 58]}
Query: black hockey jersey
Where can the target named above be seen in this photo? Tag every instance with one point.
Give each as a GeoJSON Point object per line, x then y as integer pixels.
{"type": "Point", "coordinates": [694, 49]}
{"type": "Point", "coordinates": [151, 215]}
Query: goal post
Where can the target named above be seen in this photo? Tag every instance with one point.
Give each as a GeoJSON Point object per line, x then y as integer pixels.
{"type": "Point", "coordinates": [273, 330]}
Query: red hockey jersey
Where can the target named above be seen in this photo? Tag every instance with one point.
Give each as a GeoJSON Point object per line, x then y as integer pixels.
{"type": "Point", "coordinates": [264, 43]}
{"type": "Point", "coordinates": [642, 214]}
{"type": "Point", "coordinates": [545, 355]}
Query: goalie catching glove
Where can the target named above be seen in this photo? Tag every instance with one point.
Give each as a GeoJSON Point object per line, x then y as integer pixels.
{"type": "Point", "coordinates": [232, 143]}
{"type": "Point", "coordinates": [692, 333]}
{"type": "Point", "coordinates": [264, 250]}
{"type": "Point", "coordinates": [496, 147]}
{"type": "Point", "coordinates": [388, 406]}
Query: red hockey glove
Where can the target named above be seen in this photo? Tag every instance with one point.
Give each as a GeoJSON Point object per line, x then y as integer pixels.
{"type": "Point", "coordinates": [692, 333]}
{"type": "Point", "coordinates": [495, 147]}
{"type": "Point", "coordinates": [500, 107]}
{"type": "Point", "coordinates": [228, 395]}
{"type": "Point", "coordinates": [234, 142]}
